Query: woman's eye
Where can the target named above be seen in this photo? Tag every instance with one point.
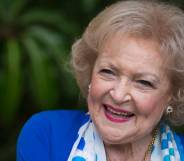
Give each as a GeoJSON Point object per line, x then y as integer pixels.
{"type": "Point", "coordinates": [145, 83]}
{"type": "Point", "coordinates": [107, 71]}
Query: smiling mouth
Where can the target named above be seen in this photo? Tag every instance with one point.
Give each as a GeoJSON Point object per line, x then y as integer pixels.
{"type": "Point", "coordinates": [117, 115]}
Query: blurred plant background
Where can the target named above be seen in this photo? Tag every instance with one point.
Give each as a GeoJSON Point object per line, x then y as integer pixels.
{"type": "Point", "coordinates": [35, 41]}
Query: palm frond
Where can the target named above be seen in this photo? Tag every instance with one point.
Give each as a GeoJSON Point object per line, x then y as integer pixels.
{"type": "Point", "coordinates": [12, 93]}
{"type": "Point", "coordinates": [43, 84]}
{"type": "Point", "coordinates": [16, 7]}
{"type": "Point", "coordinates": [50, 18]}
{"type": "Point", "coordinates": [52, 41]}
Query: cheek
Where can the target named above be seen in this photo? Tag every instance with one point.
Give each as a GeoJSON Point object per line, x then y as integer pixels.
{"type": "Point", "coordinates": [95, 94]}
{"type": "Point", "coordinates": [149, 104]}
{"type": "Point", "coordinates": [99, 88]}
{"type": "Point", "coordinates": [95, 91]}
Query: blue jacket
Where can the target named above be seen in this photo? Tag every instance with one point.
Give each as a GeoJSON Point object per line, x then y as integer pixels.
{"type": "Point", "coordinates": [49, 136]}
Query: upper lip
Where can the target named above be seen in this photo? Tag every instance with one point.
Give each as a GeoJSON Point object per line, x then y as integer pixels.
{"type": "Point", "coordinates": [118, 109]}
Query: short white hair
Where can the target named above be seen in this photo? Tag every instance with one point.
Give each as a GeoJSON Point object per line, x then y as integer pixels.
{"type": "Point", "coordinates": [157, 21]}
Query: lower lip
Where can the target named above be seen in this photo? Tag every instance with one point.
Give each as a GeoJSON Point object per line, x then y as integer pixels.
{"type": "Point", "coordinates": [115, 119]}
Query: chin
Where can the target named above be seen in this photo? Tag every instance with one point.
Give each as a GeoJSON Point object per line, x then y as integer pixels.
{"type": "Point", "coordinates": [117, 140]}
{"type": "Point", "coordinates": [114, 141]}
{"type": "Point", "coordinates": [111, 135]}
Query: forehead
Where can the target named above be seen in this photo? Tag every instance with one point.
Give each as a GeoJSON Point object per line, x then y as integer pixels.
{"type": "Point", "coordinates": [128, 46]}
{"type": "Point", "coordinates": [137, 53]}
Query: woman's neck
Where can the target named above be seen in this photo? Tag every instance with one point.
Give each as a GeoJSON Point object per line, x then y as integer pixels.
{"type": "Point", "coordinates": [134, 151]}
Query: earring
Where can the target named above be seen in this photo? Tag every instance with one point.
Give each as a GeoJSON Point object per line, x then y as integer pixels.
{"type": "Point", "coordinates": [169, 110]}
{"type": "Point", "coordinates": [89, 87]}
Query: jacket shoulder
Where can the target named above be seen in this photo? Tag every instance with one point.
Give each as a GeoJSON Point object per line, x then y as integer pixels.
{"type": "Point", "coordinates": [49, 135]}
{"type": "Point", "coordinates": [179, 138]}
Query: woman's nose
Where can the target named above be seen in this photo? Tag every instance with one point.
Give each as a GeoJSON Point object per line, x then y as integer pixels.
{"type": "Point", "coordinates": [121, 92]}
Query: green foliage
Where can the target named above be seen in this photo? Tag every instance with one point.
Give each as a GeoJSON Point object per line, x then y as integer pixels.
{"type": "Point", "coordinates": [35, 40]}
{"type": "Point", "coordinates": [11, 85]}
{"type": "Point", "coordinates": [34, 55]}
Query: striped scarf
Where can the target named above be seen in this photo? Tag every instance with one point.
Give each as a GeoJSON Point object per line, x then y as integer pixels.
{"type": "Point", "coordinates": [89, 145]}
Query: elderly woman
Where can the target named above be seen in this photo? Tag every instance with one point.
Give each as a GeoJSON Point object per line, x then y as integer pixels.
{"type": "Point", "coordinates": [129, 64]}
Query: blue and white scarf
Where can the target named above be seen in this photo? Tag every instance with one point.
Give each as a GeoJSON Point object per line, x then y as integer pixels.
{"type": "Point", "coordinates": [89, 145]}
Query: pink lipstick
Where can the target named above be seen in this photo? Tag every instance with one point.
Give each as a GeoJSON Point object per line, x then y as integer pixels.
{"type": "Point", "coordinates": [117, 115]}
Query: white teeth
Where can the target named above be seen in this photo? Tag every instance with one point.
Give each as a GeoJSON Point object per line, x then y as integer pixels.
{"type": "Point", "coordinates": [119, 113]}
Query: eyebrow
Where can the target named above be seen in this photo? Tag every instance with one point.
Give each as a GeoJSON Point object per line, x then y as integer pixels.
{"type": "Point", "coordinates": [143, 74]}
{"type": "Point", "coordinates": [138, 74]}
{"type": "Point", "coordinates": [110, 64]}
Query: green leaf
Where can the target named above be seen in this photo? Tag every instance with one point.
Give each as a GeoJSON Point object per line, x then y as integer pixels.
{"type": "Point", "coordinates": [89, 5]}
{"type": "Point", "coordinates": [52, 41]}
{"type": "Point", "coordinates": [12, 94]}
{"type": "Point", "coordinates": [44, 86]}
{"type": "Point", "coordinates": [46, 34]}
{"type": "Point", "coordinates": [16, 7]}
{"type": "Point", "coordinates": [10, 9]}
{"type": "Point", "coordinates": [2, 11]}
{"type": "Point", "coordinates": [50, 18]}
{"type": "Point", "coordinates": [40, 15]}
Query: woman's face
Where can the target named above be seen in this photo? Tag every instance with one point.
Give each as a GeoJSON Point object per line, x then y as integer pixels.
{"type": "Point", "coordinates": [129, 90]}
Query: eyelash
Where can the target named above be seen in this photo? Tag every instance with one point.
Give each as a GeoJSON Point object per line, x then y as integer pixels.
{"type": "Point", "coordinates": [142, 82]}
{"type": "Point", "coordinates": [145, 83]}
{"type": "Point", "coordinates": [107, 71]}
